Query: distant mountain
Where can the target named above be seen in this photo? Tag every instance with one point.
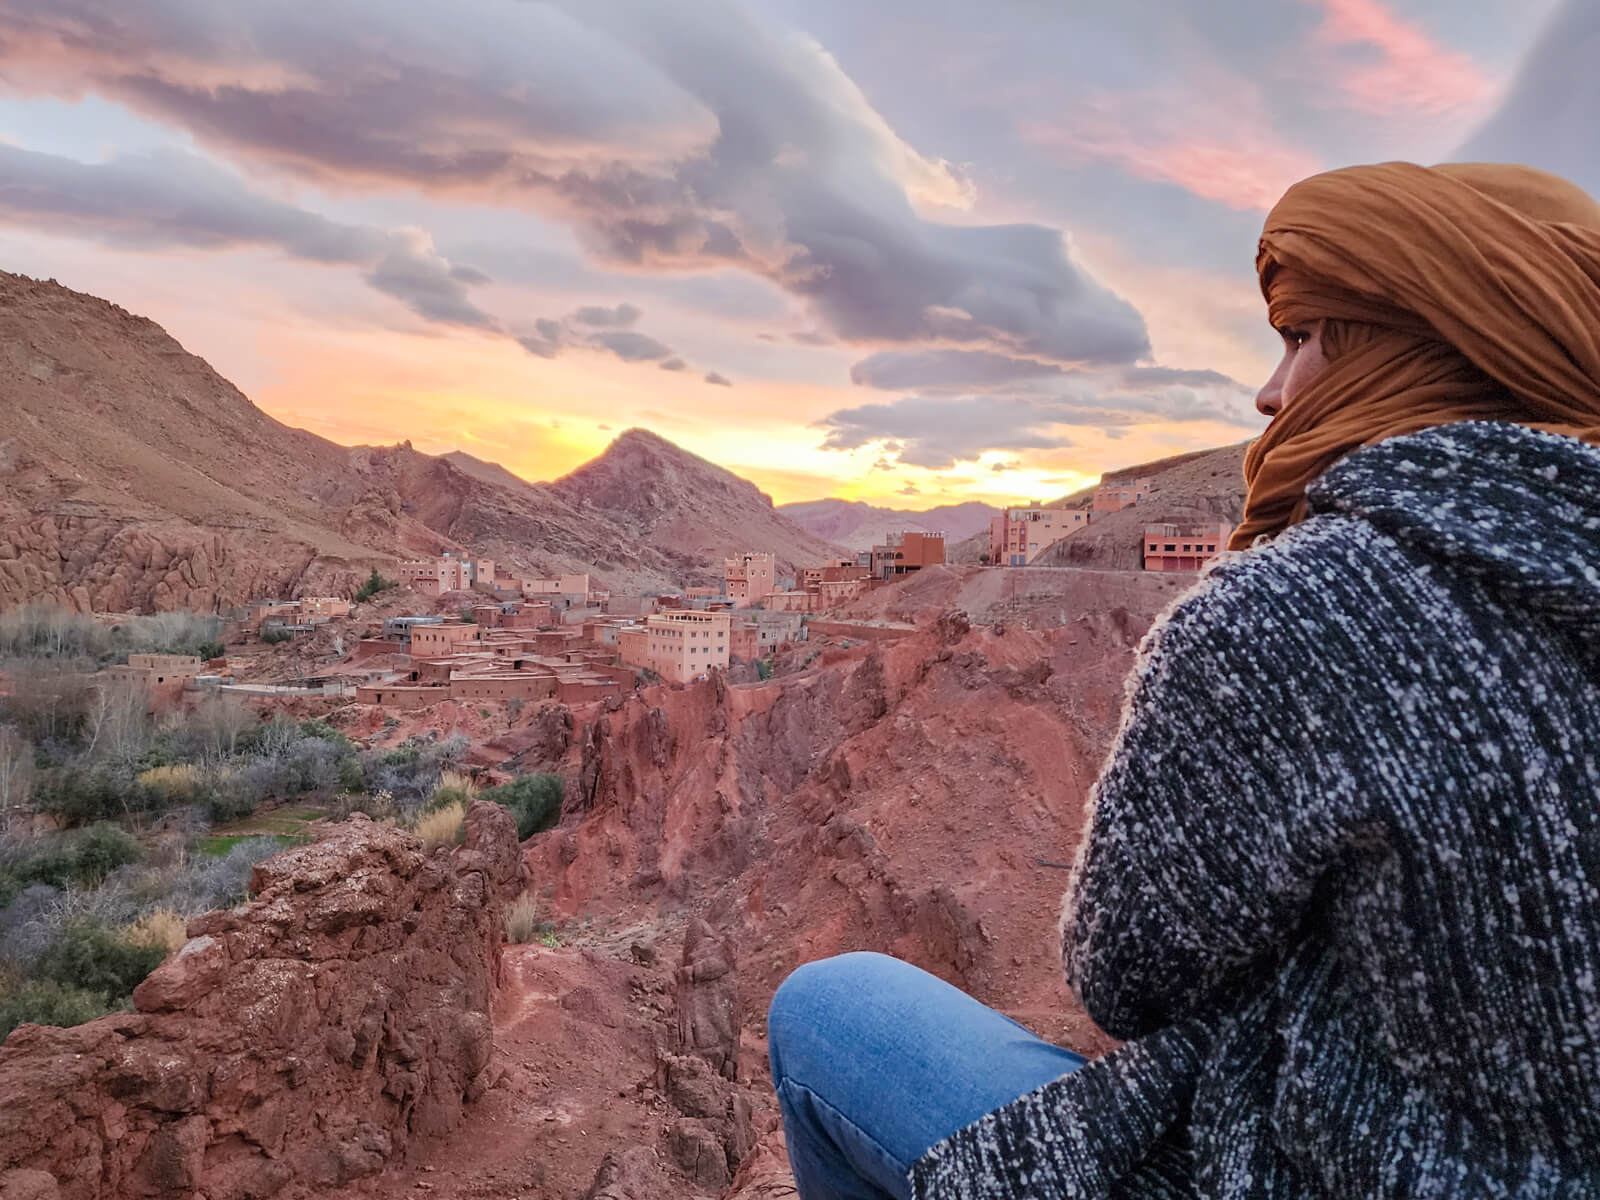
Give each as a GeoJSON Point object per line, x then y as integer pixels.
{"type": "Point", "coordinates": [135, 478]}
{"type": "Point", "coordinates": [689, 509]}
{"type": "Point", "coordinates": [859, 526]}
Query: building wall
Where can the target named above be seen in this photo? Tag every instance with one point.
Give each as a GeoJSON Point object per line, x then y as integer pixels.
{"type": "Point", "coordinates": [401, 696]}
{"type": "Point", "coordinates": [836, 591]}
{"type": "Point", "coordinates": [749, 577]}
{"type": "Point", "coordinates": [907, 552]}
{"type": "Point", "coordinates": [744, 642]}
{"type": "Point", "coordinates": [795, 602]}
{"type": "Point", "coordinates": [634, 646]}
{"type": "Point", "coordinates": [523, 685]}
{"type": "Point", "coordinates": [323, 607]}
{"type": "Point", "coordinates": [1183, 547]}
{"type": "Point", "coordinates": [775, 628]}
{"type": "Point", "coordinates": [1022, 534]}
{"type": "Point", "coordinates": [434, 640]}
{"type": "Point", "coordinates": [583, 690]}
{"type": "Point", "coordinates": [1115, 495]}
{"type": "Point", "coordinates": [683, 646]}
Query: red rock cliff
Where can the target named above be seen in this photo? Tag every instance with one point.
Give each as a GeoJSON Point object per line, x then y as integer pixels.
{"type": "Point", "coordinates": [296, 1042]}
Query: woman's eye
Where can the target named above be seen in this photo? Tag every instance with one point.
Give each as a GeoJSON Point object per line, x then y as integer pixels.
{"type": "Point", "coordinates": [1293, 338]}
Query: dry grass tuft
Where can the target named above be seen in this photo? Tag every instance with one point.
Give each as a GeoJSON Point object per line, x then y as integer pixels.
{"type": "Point", "coordinates": [442, 826]}
{"type": "Point", "coordinates": [178, 784]}
{"type": "Point", "coordinates": [163, 928]}
{"type": "Point", "coordinates": [521, 919]}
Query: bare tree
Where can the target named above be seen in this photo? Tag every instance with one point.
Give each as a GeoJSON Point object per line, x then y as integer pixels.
{"type": "Point", "coordinates": [119, 727]}
{"type": "Point", "coordinates": [47, 700]}
{"type": "Point", "coordinates": [16, 768]}
{"type": "Point", "coordinates": [222, 721]}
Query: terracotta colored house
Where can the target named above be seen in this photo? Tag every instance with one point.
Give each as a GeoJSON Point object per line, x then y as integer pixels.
{"type": "Point", "coordinates": [1020, 535]}
{"type": "Point", "coordinates": [160, 677]}
{"type": "Point", "coordinates": [429, 641]}
{"type": "Point", "coordinates": [907, 552]}
{"type": "Point", "coordinates": [1183, 547]}
{"type": "Point", "coordinates": [749, 577]}
{"type": "Point", "coordinates": [1114, 495]}
{"type": "Point", "coordinates": [435, 576]}
{"type": "Point", "coordinates": [686, 645]}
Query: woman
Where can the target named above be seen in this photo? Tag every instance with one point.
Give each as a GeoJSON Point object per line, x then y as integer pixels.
{"type": "Point", "coordinates": [1340, 889]}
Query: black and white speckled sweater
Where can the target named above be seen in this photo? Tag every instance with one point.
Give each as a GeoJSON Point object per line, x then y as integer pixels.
{"type": "Point", "coordinates": [1339, 891]}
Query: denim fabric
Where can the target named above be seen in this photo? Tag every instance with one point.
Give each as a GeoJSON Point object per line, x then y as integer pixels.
{"type": "Point", "coordinates": [875, 1061]}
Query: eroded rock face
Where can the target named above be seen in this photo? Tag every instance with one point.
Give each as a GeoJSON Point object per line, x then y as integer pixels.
{"type": "Point", "coordinates": [302, 1038]}
{"type": "Point", "coordinates": [709, 1012]}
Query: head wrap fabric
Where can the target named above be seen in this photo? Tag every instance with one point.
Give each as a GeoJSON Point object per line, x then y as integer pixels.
{"type": "Point", "coordinates": [1468, 291]}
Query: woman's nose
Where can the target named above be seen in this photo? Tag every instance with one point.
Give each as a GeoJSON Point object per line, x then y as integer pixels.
{"type": "Point", "coordinates": [1270, 398]}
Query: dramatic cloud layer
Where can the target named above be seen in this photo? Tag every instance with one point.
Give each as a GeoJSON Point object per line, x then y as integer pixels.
{"type": "Point", "coordinates": [936, 431]}
{"type": "Point", "coordinates": [678, 136]}
{"type": "Point", "coordinates": [1548, 119]}
{"type": "Point", "coordinates": [173, 199]}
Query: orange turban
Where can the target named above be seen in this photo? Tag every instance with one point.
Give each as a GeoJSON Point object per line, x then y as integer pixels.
{"type": "Point", "coordinates": [1469, 291]}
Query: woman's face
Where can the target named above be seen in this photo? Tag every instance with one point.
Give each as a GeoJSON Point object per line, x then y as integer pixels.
{"type": "Point", "coordinates": [1303, 361]}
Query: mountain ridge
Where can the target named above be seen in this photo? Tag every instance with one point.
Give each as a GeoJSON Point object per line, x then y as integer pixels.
{"type": "Point", "coordinates": [138, 479]}
{"type": "Point", "coordinates": [859, 525]}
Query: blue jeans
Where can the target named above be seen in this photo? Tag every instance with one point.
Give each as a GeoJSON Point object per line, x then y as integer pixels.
{"type": "Point", "coordinates": [875, 1061]}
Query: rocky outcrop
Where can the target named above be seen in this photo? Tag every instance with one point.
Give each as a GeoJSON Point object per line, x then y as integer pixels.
{"type": "Point", "coordinates": [709, 1012]}
{"type": "Point", "coordinates": [295, 1042]}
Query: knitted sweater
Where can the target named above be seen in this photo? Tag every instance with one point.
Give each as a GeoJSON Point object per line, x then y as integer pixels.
{"type": "Point", "coordinates": [1339, 889]}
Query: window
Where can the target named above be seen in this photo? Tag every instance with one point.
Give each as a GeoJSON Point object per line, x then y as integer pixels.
{"type": "Point", "coordinates": [1169, 547]}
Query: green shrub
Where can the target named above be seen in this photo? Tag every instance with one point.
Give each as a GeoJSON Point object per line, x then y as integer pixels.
{"type": "Point", "coordinates": [316, 727]}
{"type": "Point", "coordinates": [46, 1002]}
{"type": "Point", "coordinates": [81, 794]}
{"type": "Point", "coordinates": [210, 650]}
{"type": "Point", "coordinates": [375, 583]}
{"type": "Point", "coordinates": [534, 800]}
{"type": "Point", "coordinates": [86, 954]}
{"type": "Point", "coordinates": [273, 637]}
{"type": "Point", "coordinates": [99, 850]}
{"type": "Point", "coordinates": [84, 857]}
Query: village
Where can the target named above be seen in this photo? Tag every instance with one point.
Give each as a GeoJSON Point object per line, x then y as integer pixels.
{"type": "Point", "coordinates": [515, 640]}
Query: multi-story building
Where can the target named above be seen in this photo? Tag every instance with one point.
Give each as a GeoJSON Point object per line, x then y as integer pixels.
{"type": "Point", "coordinates": [435, 576]}
{"type": "Point", "coordinates": [1114, 495]}
{"type": "Point", "coordinates": [907, 552]}
{"type": "Point", "coordinates": [1019, 535]}
{"type": "Point", "coordinates": [749, 577]}
{"type": "Point", "coordinates": [1170, 547]}
{"type": "Point", "coordinates": [685, 645]}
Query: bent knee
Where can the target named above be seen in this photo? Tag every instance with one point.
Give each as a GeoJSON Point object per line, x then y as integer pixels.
{"type": "Point", "coordinates": [824, 995]}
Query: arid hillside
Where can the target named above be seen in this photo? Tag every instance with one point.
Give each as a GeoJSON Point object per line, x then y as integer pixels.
{"type": "Point", "coordinates": [915, 791]}
{"type": "Point", "coordinates": [1207, 485]}
{"type": "Point", "coordinates": [689, 510]}
{"type": "Point", "coordinates": [138, 479]}
{"type": "Point", "coordinates": [859, 526]}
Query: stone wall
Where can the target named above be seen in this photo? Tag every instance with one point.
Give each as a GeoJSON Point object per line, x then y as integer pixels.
{"type": "Point", "coordinates": [296, 1042]}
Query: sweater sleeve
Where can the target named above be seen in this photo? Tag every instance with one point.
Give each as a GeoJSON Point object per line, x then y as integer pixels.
{"type": "Point", "coordinates": [1222, 803]}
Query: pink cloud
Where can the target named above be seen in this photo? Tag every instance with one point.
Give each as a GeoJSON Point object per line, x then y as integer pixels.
{"type": "Point", "coordinates": [1413, 73]}
{"type": "Point", "coordinates": [1223, 150]}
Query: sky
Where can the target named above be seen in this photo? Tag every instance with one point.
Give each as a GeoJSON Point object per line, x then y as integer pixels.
{"type": "Point", "coordinates": [907, 251]}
